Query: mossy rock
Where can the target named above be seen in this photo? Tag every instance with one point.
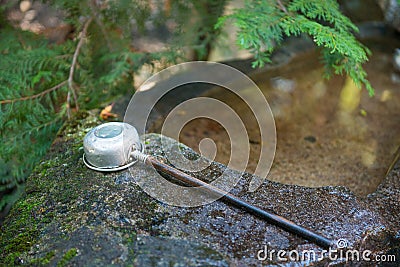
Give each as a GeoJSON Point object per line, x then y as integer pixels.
{"type": "Point", "coordinates": [73, 216]}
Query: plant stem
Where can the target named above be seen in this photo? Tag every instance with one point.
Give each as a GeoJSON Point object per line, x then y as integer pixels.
{"type": "Point", "coordinates": [7, 101]}
{"type": "Point", "coordinates": [75, 60]}
{"type": "Point", "coordinates": [282, 7]}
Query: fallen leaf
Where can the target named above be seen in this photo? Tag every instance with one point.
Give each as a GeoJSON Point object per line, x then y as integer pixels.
{"type": "Point", "coordinates": [106, 112]}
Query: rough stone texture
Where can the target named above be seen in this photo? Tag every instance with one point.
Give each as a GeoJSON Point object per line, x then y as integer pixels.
{"type": "Point", "coordinates": [72, 216]}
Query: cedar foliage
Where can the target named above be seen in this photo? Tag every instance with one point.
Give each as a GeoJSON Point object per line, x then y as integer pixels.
{"type": "Point", "coordinates": [264, 24]}
{"type": "Point", "coordinates": [42, 83]}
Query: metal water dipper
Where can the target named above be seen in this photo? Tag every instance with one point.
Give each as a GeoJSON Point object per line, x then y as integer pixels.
{"type": "Point", "coordinates": [116, 146]}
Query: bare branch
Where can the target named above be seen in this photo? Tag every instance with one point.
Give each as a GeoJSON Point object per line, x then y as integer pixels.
{"type": "Point", "coordinates": [7, 101]}
{"type": "Point", "coordinates": [74, 61]}
{"type": "Point", "coordinates": [69, 81]}
{"type": "Point", "coordinates": [282, 7]}
{"type": "Point", "coordinates": [68, 105]}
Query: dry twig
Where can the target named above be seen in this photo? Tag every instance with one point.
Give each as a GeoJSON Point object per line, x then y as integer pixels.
{"type": "Point", "coordinates": [75, 60]}
{"type": "Point", "coordinates": [7, 101]}
{"type": "Point", "coordinates": [282, 7]}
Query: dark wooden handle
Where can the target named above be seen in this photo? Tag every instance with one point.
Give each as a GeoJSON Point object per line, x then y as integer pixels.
{"type": "Point", "coordinates": [229, 198]}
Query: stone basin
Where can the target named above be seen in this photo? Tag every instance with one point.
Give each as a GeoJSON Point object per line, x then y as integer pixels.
{"type": "Point", "coordinates": [72, 216]}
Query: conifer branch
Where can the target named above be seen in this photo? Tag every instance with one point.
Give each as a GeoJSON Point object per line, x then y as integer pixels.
{"type": "Point", "coordinates": [8, 101]}
{"type": "Point", "coordinates": [38, 127]}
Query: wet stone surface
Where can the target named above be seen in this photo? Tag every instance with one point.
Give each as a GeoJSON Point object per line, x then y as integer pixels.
{"type": "Point", "coordinates": [72, 216]}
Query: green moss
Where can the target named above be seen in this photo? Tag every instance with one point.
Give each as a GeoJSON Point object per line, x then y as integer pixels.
{"type": "Point", "coordinates": [21, 231]}
{"type": "Point", "coordinates": [83, 121]}
{"type": "Point", "coordinates": [45, 260]}
{"type": "Point", "coordinates": [49, 256]}
{"type": "Point", "coordinates": [31, 213]}
{"type": "Point", "coordinates": [58, 192]}
{"type": "Point", "coordinates": [70, 254]}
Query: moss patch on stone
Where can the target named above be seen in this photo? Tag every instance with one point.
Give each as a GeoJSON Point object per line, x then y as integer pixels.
{"type": "Point", "coordinates": [49, 190]}
{"type": "Point", "coordinates": [71, 215]}
{"type": "Point", "coordinates": [26, 220]}
{"type": "Point", "coordinates": [67, 257]}
{"type": "Point", "coordinates": [63, 198]}
{"type": "Point", "coordinates": [21, 231]}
